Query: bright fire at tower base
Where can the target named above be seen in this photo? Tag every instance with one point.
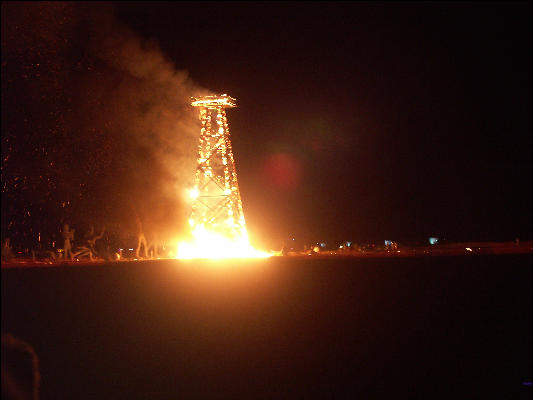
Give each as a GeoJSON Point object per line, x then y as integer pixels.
{"type": "Point", "coordinates": [206, 244]}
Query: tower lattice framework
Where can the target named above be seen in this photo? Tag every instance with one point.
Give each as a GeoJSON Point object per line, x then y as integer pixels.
{"type": "Point", "coordinates": [216, 197]}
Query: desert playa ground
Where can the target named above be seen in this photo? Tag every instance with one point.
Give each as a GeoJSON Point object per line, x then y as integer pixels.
{"type": "Point", "coordinates": [285, 327]}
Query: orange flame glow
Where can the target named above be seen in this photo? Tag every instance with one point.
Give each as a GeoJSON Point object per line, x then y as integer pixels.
{"type": "Point", "coordinates": [217, 221]}
{"type": "Point", "coordinates": [212, 245]}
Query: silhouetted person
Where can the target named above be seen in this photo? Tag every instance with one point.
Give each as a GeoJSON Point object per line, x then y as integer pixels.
{"type": "Point", "coordinates": [141, 239]}
{"type": "Point", "coordinates": [153, 247]}
{"type": "Point", "coordinates": [7, 253]}
{"type": "Point", "coordinates": [68, 235]}
{"type": "Point", "coordinates": [91, 241]}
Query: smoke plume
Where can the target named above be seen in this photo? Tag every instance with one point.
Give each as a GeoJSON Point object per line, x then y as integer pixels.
{"type": "Point", "coordinates": [96, 121]}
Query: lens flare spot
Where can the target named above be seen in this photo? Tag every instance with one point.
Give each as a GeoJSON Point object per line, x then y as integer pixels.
{"type": "Point", "coordinates": [282, 171]}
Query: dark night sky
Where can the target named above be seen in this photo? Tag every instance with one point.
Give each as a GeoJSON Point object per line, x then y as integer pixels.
{"type": "Point", "coordinates": [388, 120]}
{"type": "Point", "coordinates": [366, 121]}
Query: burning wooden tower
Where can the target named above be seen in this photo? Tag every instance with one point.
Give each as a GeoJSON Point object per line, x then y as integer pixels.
{"type": "Point", "coordinates": [216, 200]}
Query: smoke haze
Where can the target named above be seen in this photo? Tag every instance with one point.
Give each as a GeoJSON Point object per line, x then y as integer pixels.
{"type": "Point", "coordinates": [102, 131]}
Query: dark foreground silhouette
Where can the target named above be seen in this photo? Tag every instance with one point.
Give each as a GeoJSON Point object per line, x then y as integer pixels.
{"type": "Point", "coordinates": [446, 327]}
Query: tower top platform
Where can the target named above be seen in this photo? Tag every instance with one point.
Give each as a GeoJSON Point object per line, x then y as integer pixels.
{"type": "Point", "coordinates": [214, 102]}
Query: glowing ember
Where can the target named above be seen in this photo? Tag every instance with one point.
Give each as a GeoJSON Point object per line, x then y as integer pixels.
{"type": "Point", "coordinates": [217, 221]}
